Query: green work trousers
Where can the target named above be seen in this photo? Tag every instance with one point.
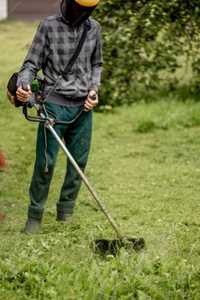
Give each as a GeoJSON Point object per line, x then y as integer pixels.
{"type": "Point", "coordinates": [77, 137]}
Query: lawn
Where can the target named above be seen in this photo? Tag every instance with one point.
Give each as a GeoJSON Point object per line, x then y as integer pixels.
{"type": "Point", "coordinates": [145, 164]}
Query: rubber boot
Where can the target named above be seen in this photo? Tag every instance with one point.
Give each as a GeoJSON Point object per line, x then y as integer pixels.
{"type": "Point", "coordinates": [63, 217]}
{"type": "Point", "coordinates": [32, 226]}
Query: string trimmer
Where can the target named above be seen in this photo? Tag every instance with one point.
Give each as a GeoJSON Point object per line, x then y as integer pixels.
{"type": "Point", "coordinates": [102, 245]}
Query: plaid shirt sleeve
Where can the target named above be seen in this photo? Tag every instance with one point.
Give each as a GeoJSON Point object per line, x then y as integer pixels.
{"type": "Point", "coordinates": [96, 62]}
{"type": "Point", "coordinates": [35, 57]}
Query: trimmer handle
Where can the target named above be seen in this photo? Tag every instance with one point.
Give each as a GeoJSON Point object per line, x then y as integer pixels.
{"type": "Point", "coordinates": [93, 97]}
{"type": "Point", "coordinates": [43, 114]}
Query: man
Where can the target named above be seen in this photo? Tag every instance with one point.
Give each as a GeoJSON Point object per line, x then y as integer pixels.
{"type": "Point", "coordinates": [53, 45]}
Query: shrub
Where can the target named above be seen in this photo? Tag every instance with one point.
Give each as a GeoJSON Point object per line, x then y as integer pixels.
{"type": "Point", "coordinates": [148, 46]}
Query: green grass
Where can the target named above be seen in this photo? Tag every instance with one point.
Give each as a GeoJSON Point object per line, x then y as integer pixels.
{"type": "Point", "coordinates": [145, 164]}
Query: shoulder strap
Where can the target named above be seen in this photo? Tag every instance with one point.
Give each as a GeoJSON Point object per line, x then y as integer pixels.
{"type": "Point", "coordinates": [78, 49]}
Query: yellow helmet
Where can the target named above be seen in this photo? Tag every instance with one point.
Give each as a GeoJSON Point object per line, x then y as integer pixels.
{"type": "Point", "coordinates": [87, 3]}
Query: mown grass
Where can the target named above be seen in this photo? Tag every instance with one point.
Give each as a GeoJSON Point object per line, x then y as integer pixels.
{"type": "Point", "coordinates": [145, 164]}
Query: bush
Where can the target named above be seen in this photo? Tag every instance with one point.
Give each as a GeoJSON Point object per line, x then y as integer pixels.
{"type": "Point", "coordinates": [148, 46]}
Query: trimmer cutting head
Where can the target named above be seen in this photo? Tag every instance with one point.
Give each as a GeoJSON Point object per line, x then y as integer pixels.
{"type": "Point", "coordinates": [105, 247]}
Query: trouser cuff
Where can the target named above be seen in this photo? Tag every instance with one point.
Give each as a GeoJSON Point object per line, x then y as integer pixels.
{"type": "Point", "coordinates": [65, 207]}
{"type": "Point", "coordinates": [35, 213]}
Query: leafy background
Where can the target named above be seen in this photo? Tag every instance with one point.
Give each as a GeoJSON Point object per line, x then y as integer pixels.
{"type": "Point", "coordinates": [150, 48]}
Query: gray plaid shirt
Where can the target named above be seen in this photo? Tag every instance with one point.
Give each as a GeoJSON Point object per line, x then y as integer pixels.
{"type": "Point", "coordinates": [53, 45]}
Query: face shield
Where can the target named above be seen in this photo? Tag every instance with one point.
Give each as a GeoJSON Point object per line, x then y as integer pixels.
{"type": "Point", "coordinates": [76, 11]}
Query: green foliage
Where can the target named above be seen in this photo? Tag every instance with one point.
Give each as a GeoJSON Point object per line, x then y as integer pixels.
{"type": "Point", "coordinates": [146, 44]}
{"type": "Point", "coordinates": [147, 126]}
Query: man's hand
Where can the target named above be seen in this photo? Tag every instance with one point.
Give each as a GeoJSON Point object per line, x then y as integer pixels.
{"type": "Point", "coordinates": [23, 95]}
{"type": "Point", "coordinates": [91, 103]}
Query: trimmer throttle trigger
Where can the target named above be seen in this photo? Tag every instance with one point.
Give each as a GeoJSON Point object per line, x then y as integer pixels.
{"type": "Point", "coordinates": [93, 97]}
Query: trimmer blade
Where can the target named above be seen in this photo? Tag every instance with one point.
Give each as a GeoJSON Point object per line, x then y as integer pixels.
{"type": "Point", "coordinates": [104, 246]}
